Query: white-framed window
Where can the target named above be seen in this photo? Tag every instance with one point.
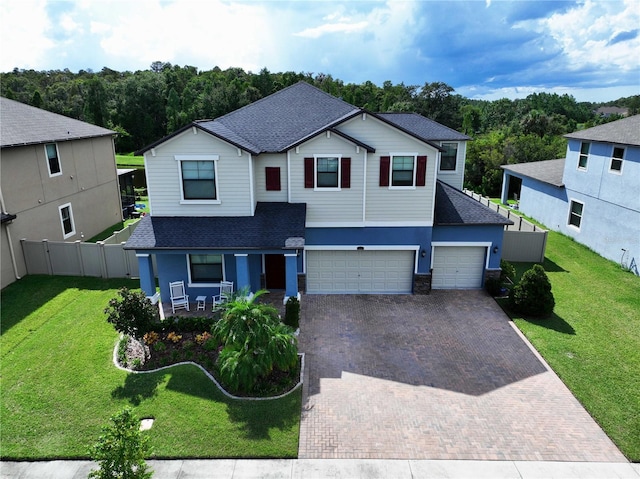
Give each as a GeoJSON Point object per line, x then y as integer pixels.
{"type": "Point", "coordinates": [327, 172]}
{"type": "Point", "coordinates": [583, 158]}
{"type": "Point", "coordinates": [449, 157]}
{"type": "Point", "coordinates": [199, 178]}
{"type": "Point", "coordinates": [66, 220]}
{"type": "Point", "coordinates": [205, 269]}
{"type": "Point", "coordinates": [616, 160]}
{"type": "Point", "coordinates": [403, 170]}
{"type": "Point", "coordinates": [576, 210]}
{"type": "Point", "coordinates": [53, 159]}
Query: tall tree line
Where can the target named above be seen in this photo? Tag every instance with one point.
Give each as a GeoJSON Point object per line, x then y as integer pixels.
{"type": "Point", "coordinates": [146, 105]}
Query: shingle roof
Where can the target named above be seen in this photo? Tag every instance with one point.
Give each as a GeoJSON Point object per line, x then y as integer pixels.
{"type": "Point", "coordinates": [548, 171]}
{"type": "Point", "coordinates": [22, 124]}
{"type": "Point", "coordinates": [423, 127]}
{"type": "Point", "coordinates": [274, 226]}
{"type": "Point", "coordinates": [625, 132]}
{"type": "Point", "coordinates": [289, 117]}
{"type": "Point", "coordinates": [453, 207]}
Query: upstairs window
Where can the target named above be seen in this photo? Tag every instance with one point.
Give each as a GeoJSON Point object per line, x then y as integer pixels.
{"type": "Point", "coordinates": [53, 159]}
{"type": "Point", "coordinates": [448, 158]}
{"type": "Point", "coordinates": [575, 213]}
{"type": "Point", "coordinates": [66, 220]}
{"type": "Point", "coordinates": [403, 170]}
{"type": "Point", "coordinates": [205, 268]}
{"type": "Point", "coordinates": [198, 179]}
{"type": "Point", "coordinates": [327, 172]}
{"type": "Point", "coordinates": [616, 160]}
{"type": "Point", "coordinates": [584, 156]}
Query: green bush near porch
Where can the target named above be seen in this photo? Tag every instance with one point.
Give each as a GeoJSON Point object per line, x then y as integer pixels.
{"type": "Point", "coordinates": [59, 385]}
{"type": "Point", "coordinates": [592, 339]}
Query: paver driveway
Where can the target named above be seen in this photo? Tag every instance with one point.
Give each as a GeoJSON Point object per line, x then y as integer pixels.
{"type": "Point", "coordinates": [443, 376]}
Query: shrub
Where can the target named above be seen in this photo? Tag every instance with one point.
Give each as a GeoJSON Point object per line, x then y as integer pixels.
{"type": "Point", "coordinates": [151, 338]}
{"type": "Point", "coordinates": [210, 344]}
{"type": "Point", "coordinates": [203, 338]}
{"type": "Point", "coordinates": [292, 313]}
{"type": "Point", "coordinates": [173, 337]}
{"type": "Point", "coordinates": [132, 314]}
{"type": "Point", "coordinates": [254, 341]}
{"type": "Point", "coordinates": [122, 351]}
{"type": "Point", "coordinates": [508, 271]}
{"type": "Point", "coordinates": [159, 346]}
{"type": "Point", "coordinates": [121, 449]}
{"type": "Point", "coordinates": [532, 296]}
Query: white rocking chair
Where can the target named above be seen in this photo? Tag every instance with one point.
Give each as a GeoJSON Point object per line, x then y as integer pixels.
{"type": "Point", "coordinates": [226, 289]}
{"type": "Point", "coordinates": [179, 298]}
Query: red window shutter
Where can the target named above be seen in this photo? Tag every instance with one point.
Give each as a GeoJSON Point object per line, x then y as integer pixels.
{"type": "Point", "coordinates": [308, 172]}
{"type": "Point", "coordinates": [385, 164]}
{"type": "Point", "coordinates": [272, 174]}
{"type": "Point", "coordinates": [345, 165]}
{"type": "Point", "coordinates": [421, 171]}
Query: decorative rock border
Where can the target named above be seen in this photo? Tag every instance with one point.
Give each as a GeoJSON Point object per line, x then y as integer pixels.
{"type": "Point", "coordinates": [222, 389]}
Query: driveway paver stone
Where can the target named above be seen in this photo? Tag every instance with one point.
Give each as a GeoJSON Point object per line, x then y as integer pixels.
{"type": "Point", "coordinates": [441, 376]}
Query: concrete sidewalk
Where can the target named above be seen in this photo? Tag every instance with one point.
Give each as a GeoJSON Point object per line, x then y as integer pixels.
{"type": "Point", "coordinates": [337, 469]}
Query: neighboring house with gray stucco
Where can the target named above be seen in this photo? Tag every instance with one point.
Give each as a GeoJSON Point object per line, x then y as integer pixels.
{"type": "Point", "coordinates": [58, 181]}
{"type": "Point", "coordinates": [592, 195]}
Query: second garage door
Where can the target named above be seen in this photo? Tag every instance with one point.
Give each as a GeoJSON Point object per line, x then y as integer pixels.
{"type": "Point", "coordinates": [458, 267]}
{"type": "Point", "coordinates": [366, 271]}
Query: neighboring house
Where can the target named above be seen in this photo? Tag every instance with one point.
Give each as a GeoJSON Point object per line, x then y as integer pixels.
{"type": "Point", "coordinates": [302, 191]}
{"type": "Point", "coordinates": [594, 194]}
{"type": "Point", "coordinates": [607, 111]}
{"type": "Point", "coordinates": [58, 181]}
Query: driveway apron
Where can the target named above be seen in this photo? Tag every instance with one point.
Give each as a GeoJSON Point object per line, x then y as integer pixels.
{"type": "Point", "coordinates": [442, 376]}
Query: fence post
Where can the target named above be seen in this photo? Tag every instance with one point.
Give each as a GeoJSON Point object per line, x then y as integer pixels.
{"type": "Point", "coordinates": [127, 264]}
{"type": "Point", "coordinates": [103, 260]}
{"type": "Point", "coordinates": [79, 254]}
{"type": "Point", "coordinates": [45, 246]}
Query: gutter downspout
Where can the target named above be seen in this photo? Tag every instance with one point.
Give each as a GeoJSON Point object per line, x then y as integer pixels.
{"type": "Point", "coordinates": [11, 252]}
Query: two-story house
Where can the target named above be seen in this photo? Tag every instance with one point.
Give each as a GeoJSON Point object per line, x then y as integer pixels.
{"type": "Point", "coordinates": [592, 195]}
{"type": "Point", "coordinates": [302, 191]}
{"type": "Point", "coordinates": [58, 181]}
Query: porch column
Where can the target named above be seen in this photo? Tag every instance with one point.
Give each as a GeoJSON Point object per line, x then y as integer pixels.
{"type": "Point", "coordinates": [291, 274]}
{"type": "Point", "coordinates": [147, 279]}
{"type": "Point", "coordinates": [242, 272]}
{"type": "Point", "coordinates": [504, 196]}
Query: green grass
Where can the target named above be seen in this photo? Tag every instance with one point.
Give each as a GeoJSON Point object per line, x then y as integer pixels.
{"type": "Point", "coordinates": [592, 341]}
{"type": "Point", "coordinates": [59, 385]}
{"type": "Point", "coordinates": [129, 161]}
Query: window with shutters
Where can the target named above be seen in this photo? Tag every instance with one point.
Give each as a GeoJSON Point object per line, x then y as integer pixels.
{"type": "Point", "coordinates": [327, 173]}
{"type": "Point", "coordinates": [403, 170]}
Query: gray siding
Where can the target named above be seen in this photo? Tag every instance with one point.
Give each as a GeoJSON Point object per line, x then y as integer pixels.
{"type": "Point", "coordinates": [259, 164]}
{"type": "Point", "coordinates": [163, 177]}
{"type": "Point", "coordinates": [455, 178]}
{"type": "Point", "coordinates": [385, 205]}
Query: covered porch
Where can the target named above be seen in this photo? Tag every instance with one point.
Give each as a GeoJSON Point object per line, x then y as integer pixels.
{"type": "Point", "coordinates": [204, 251]}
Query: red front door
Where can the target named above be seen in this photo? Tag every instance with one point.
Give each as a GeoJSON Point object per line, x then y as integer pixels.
{"type": "Point", "coordinates": [274, 270]}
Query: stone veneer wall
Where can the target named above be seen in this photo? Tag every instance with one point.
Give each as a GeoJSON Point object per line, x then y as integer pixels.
{"type": "Point", "coordinates": [302, 283]}
{"type": "Point", "coordinates": [422, 283]}
{"type": "Point", "coordinates": [492, 274]}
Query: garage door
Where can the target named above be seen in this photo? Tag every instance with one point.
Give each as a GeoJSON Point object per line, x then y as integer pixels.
{"type": "Point", "coordinates": [365, 271]}
{"type": "Point", "coordinates": [458, 267]}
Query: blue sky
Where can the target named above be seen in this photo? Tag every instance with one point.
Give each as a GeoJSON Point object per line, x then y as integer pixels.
{"type": "Point", "coordinates": [484, 49]}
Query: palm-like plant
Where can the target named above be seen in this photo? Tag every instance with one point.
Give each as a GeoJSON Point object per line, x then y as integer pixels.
{"type": "Point", "coordinates": [254, 342]}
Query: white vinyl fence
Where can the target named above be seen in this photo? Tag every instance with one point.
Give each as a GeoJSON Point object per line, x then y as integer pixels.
{"type": "Point", "coordinates": [104, 259]}
{"type": "Point", "coordinates": [523, 241]}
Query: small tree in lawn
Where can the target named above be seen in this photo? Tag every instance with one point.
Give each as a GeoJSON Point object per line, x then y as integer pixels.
{"type": "Point", "coordinates": [532, 296]}
{"type": "Point", "coordinates": [132, 314]}
{"type": "Point", "coordinates": [121, 449]}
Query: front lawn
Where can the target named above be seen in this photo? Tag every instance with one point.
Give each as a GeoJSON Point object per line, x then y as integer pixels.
{"type": "Point", "coordinates": [592, 340]}
{"type": "Point", "coordinates": [59, 385]}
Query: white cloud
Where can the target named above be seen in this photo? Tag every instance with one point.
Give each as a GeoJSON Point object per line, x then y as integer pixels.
{"type": "Point", "coordinates": [24, 43]}
{"type": "Point", "coordinates": [584, 34]}
{"type": "Point", "coordinates": [69, 25]}
{"type": "Point", "coordinates": [343, 27]}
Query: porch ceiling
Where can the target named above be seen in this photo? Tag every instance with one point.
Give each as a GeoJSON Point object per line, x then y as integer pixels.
{"type": "Point", "coordinates": [273, 226]}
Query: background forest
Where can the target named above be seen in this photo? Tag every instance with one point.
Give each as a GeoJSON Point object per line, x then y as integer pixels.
{"type": "Point", "coordinates": [144, 106]}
